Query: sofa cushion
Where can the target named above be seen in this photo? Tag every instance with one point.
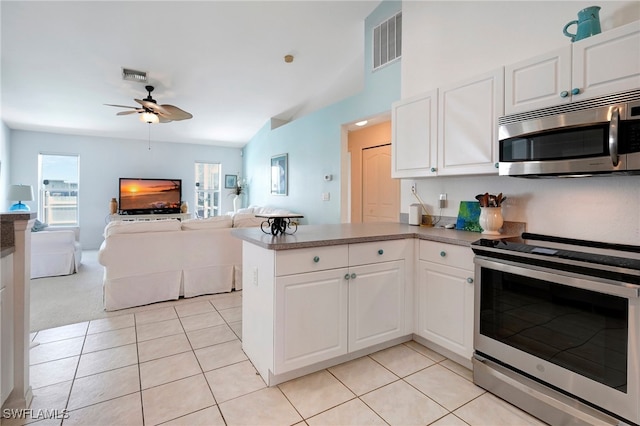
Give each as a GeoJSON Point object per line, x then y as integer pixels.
{"type": "Point", "coordinates": [132, 227]}
{"type": "Point", "coordinates": [246, 220]}
{"type": "Point", "coordinates": [208, 223]}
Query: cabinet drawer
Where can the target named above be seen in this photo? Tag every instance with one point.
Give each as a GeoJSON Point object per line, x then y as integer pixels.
{"type": "Point", "coordinates": [378, 251]}
{"type": "Point", "coordinates": [312, 259]}
{"type": "Point", "coordinates": [447, 254]}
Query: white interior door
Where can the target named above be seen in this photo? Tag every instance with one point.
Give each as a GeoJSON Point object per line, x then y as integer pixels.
{"type": "Point", "coordinates": [380, 193]}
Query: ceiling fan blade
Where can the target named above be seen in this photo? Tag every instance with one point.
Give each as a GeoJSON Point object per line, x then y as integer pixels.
{"type": "Point", "coordinates": [163, 119]}
{"type": "Point", "coordinates": [176, 113]}
{"type": "Point", "coordinates": [121, 106]}
{"type": "Point", "coordinates": [129, 112]}
{"type": "Point", "coordinates": [152, 106]}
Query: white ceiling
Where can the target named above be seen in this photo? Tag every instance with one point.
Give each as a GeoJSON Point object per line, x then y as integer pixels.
{"type": "Point", "coordinates": [222, 61]}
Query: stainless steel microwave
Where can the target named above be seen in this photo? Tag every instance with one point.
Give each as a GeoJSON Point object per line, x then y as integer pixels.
{"type": "Point", "coordinates": [592, 137]}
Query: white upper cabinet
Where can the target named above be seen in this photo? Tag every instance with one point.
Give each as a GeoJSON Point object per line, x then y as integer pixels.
{"type": "Point", "coordinates": [468, 113]}
{"type": "Point", "coordinates": [607, 63]}
{"type": "Point", "coordinates": [414, 133]}
{"type": "Point", "coordinates": [599, 65]}
{"type": "Point", "coordinates": [537, 82]}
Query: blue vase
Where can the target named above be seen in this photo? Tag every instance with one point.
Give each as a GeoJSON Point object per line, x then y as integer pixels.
{"type": "Point", "coordinates": [588, 24]}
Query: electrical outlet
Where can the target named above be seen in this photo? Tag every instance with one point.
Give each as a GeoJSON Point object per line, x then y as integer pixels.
{"type": "Point", "coordinates": [443, 200]}
{"type": "Point", "coordinates": [413, 187]}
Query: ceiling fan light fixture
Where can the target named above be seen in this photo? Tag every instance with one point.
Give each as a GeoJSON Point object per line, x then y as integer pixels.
{"type": "Point", "coordinates": [149, 117]}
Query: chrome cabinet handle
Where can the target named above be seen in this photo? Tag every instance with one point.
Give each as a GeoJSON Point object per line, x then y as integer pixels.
{"type": "Point", "coordinates": [564, 94]}
{"type": "Point", "coordinates": [613, 136]}
{"type": "Point", "coordinates": [575, 91]}
{"type": "Point", "coordinates": [316, 259]}
{"type": "Point", "coordinates": [470, 280]}
{"type": "Point", "coordinates": [443, 253]}
{"type": "Point", "coordinates": [380, 252]}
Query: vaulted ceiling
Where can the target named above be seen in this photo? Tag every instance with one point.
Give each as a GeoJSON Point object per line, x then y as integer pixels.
{"type": "Point", "coordinates": [222, 61]}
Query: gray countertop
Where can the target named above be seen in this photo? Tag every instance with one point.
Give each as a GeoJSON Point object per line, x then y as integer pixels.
{"type": "Point", "coordinates": [7, 230]}
{"type": "Point", "coordinates": [334, 234]}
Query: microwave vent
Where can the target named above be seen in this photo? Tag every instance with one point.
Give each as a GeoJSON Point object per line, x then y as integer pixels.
{"type": "Point", "coordinates": [616, 98]}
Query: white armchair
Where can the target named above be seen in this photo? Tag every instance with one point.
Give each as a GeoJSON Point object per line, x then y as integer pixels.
{"type": "Point", "coordinates": [54, 252]}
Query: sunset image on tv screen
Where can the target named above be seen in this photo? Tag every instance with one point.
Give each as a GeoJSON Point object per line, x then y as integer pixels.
{"type": "Point", "coordinates": [149, 194]}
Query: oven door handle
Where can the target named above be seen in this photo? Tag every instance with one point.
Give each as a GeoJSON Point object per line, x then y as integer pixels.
{"type": "Point", "coordinates": [600, 285]}
{"type": "Point", "coordinates": [613, 136]}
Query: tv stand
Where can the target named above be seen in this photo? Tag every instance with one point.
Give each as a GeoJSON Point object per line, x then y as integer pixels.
{"type": "Point", "coordinates": [148, 217]}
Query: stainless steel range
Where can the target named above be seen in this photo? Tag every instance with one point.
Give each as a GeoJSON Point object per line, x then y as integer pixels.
{"type": "Point", "coordinates": [556, 327]}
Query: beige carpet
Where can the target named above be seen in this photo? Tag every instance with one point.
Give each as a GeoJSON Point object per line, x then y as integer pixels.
{"type": "Point", "coordinates": [68, 299]}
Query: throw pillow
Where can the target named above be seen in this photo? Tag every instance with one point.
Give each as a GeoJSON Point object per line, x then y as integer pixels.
{"type": "Point", "coordinates": [246, 220]}
{"type": "Point", "coordinates": [38, 226]}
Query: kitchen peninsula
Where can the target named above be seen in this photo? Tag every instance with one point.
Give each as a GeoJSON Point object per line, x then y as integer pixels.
{"type": "Point", "coordinates": [331, 293]}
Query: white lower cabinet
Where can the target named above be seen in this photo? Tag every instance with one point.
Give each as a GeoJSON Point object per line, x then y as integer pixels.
{"type": "Point", "coordinates": [444, 297]}
{"type": "Point", "coordinates": [311, 310]}
{"type": "Point", "coordinates": [305, 307]}
{"type": "Point", "coordinates": [330, 313]}
{"type": "Point", "coordinates": [376, 304]}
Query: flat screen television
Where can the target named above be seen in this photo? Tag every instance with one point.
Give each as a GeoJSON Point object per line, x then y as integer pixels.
{"type": "Point", "coordinates": [150, 196]}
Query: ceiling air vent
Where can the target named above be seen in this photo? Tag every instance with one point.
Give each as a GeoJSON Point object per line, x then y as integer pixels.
{"type": "Point", "coordinates": [387, 41]}
{"type": "Point", "coordinates": [133, 75]}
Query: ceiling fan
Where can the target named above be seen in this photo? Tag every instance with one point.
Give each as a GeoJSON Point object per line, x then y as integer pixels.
{"type": "Point", "coordinates": [151, 112]}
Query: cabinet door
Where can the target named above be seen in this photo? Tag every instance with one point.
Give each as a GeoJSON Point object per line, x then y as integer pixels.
{"type": "Point", "coordinates": [310, 318]}
{"type": "Point", "coordinates": [607, 63]}
{"type": "Point", "coordinates": [414, 136]}
{"type": "Point", "coordinates": [445, 307]}
{"type": "Point", "coordinates": [538, 82]}
{"type": "Point", "coordinates": [467, 125]}
{"type": "Point", "coordinates": [376, 304]}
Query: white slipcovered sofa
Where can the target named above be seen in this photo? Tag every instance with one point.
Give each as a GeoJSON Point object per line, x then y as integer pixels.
{"type": "Point", "coordinates": [55, 252]}
{"type": "Point", "coordinates": [152, 261]}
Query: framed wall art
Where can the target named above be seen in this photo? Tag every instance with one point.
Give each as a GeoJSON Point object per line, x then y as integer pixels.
{"type": "Point", "coordinates": [279, 174]}
{"type": "Point", "coordinates": [230, 181]}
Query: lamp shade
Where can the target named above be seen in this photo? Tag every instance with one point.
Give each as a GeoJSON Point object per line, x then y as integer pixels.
{"type": "Point", "coordinates": [20, 193]}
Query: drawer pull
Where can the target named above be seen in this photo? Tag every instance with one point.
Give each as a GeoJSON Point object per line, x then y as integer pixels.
{"type": "Point", "coordinates": [380, 252]}
{"type": "Point", "coordinates": [470, 280]}
{"type": "Point", "coordinates": [346, 276]}
{"type": "Point", "coordinates": [443, 253]}
{"type": "Point", "coordinates": [316, 259]}
{"type": "Point", "coordinates": [564, 94]}
{"type": "Point", "coordinates": [575, 91]}
{"type": "Point", "coordinates": [353, 276]}
{"type": "Point", "coordinates": [433, 170]}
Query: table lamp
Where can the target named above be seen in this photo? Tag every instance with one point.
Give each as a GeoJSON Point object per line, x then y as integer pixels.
{"type": "Point", "coordinates": [20, 193]}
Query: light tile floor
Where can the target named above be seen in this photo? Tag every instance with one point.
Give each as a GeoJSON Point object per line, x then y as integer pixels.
{"type": "Point", "coordinates": [182, 364]}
